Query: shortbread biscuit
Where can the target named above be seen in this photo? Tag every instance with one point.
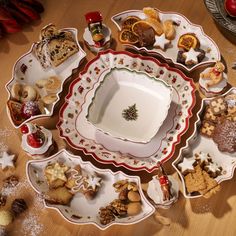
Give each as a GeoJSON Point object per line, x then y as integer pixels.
{"type": "Point", "coordinates": [218, 105]}
{"type": "Point", "coordinates": [207, 128]}
{"type": "Point", "coordinates": [208, 115]}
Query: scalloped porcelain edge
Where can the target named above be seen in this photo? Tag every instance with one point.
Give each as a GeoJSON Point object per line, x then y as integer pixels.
{"type": "Point", "coordinates": [63, 80]}
{"type": "Point", "coordinates": [108, 172]}
{"type": "Point", "coordinates": [119, 161]}
{"type": "Point", "coordinates": [187, 148]}
{"type": "Point", "coordinates": [161, 53]}
{"type": "Point", "coordinates": [96, 99]}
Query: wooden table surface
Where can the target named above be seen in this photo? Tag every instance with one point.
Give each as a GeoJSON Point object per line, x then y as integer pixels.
{"type": "Point", "coordinates": [215, 216]}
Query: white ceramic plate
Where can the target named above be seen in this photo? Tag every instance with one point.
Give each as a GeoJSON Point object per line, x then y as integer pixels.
{"type": "Point", "coordinates": [129, 105]}
{"type": "Point", "coordinates": [80, 210]}
{"type": "Point", "coordinates": [35, 72]}
{"type": "Point", "coordinates": [197, 143]}
{"type": "Point", "coordinates": [74, 127]}
{"type": "Point", "coordinates": [184, 26]}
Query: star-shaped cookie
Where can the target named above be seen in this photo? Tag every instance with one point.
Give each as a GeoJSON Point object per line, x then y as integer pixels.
{"type": "Point", "coordinates": [56, 171]}
{"type": "Point", "coordinates": [187, 165]}
{"type": "Point", "coordinates": [6, 160]}
{"type": "Point", "coordinates": [191, 57]}
{"type": "Point", "coordinates": [161, 42]}
{"type": "Point", "coordinates": [93, 182]}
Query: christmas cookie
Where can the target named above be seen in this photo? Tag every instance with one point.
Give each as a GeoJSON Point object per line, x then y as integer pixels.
{"type": "Point", "coordinates": [55, 174]}
{"type": "Point", "coordinates": [92, 183]}
{"type": "Point", "coordinates": [218, 105]}
{"type": "Point", "coordinates": [161, 42]}
{"type": "Point", "coordinates": [195, 180]}
{"type": "Point", "coordinates": [213, 169]}
{"type": "Point", "coordinates": [208, 115]}
{"type": "Point", "coordinates": [187, 165]}
{"type": "Point", "coordinates": [191, 57]}
{"type": "Point", "coordinates": [59, 195]}
{"type": "Point", "coordinates": [7, 160]}
{"type": "Point", "coordinates": [225, 136]}
{"type": "Point", "coordinates": [207, 128]}
{"type": "Point", "coordinates": [203, 158]}
{"type": "Point", "coordinates": [74, 179]}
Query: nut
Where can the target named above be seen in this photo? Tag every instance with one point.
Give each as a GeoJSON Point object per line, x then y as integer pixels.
{"type": "Point", "coordinates": [106, 215]}
{"type": "Point", "coordinates": [132, 186]}
{"type": "Point", "coordinates": [123, 195]}
{"type": "Point", "coordinates": [120, 209]}
{"type": "Point", "coordinates": [134, 196]}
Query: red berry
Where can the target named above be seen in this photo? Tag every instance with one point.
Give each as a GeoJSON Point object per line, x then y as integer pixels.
{"type": "Point", "coordinates": [24, 129]}
{"type": "Point", "coordinates": [36, 140]}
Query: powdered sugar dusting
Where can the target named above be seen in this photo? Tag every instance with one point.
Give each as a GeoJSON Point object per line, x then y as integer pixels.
{"type": "Point", "coordinates": [8, 191]}
{"type": "Point", "coordinates": [31, 226]}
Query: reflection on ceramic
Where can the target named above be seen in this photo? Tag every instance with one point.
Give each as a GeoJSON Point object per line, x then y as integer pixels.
{"type": "Point", "coordinates": [183, 26]}
{"type": "Point", "coordinates": [217, 9]}
{"type": "Point", "coordinates": [83, 211]}
{"type": "Point", "coordinates": [34, 71]}
{"type": "Point", "coordinates": [75, 129]}
{"type": "Point", "coordinates": [129, 105]}
{"type": "Point", "coordinates": [196, 143]}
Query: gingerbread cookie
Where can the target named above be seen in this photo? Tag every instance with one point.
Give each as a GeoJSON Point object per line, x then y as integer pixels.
{"type": "Point", "coordinates": [211, 186]}
{"type": "Point", "coordinates": [203, 158]}
{"type": "Point", "coordinates": [208, 115]}
{"type": "Point", "coordinates": [218, 105]}
{"type": "Point", "coordinates": [187, 165]}
{"type": "Point", "coordinates": [225, 136]}
{"type": "Point", "coordinates": [55, 174]}
{"type": "Point", "coordinates": [207, 128]}
{"type": "Point", "coordinates": [195, 181]}
{"type": "Point", "coordinates": [213, 169]}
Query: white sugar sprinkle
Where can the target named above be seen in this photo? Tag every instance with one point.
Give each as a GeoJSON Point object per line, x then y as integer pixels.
{"type": "Point", "coordinates": [31, 226]}
{"type": "Point", "coordinates": [8, 191]}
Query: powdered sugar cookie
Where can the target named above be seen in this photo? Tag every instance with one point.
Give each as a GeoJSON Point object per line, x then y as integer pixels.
{"type": "Point", "coordinates": [161, 42]}
{"type": "Point", "coordinates": [191, 57]}
{"type": "Point", "coordinates": [187, 165]}
{"type": "Point", "coordinates": [202, 158]}
{"type": "Point", "coordinates": [6, 160]}
{"type": "Point", "coordinates": [213, 169]}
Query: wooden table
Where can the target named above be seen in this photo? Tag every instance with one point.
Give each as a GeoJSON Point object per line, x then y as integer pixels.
{"type": "Point", "coordinates": [215, 216]}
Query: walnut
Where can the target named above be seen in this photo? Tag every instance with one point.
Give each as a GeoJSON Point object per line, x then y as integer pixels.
{"type": "Point", "coordinates": [132, 186]}
{"type": "Point", "coordinates": [120, 209]}
{"type": "Point", "coordinates": [120, 185]}
{"type": "Point", "coordinates": [106, 215]}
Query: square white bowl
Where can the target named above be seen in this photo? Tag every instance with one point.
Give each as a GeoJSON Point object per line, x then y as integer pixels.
{"type": "Point", "coordinates": [130, 105]}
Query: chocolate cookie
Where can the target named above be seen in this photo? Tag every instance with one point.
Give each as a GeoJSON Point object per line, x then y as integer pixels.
{"type": "Point", "coordinates": [225, 136]}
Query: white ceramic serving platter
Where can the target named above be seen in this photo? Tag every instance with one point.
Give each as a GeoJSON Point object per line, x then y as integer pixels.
{"type": "Point", "coordinates": [129, 105]}
{"type": "Point", "coordinates": [35, 72]}
{"type": "Point", "coordinates": [183, 26]}
{"type": "Point", "coordinates": [79, 134]}
{"type": "Point", "coordinates": [196, 143]}
{"type": "Point", "coordinates": [81, 210]}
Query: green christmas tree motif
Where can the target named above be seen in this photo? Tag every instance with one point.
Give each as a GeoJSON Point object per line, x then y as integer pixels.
{"type": "Point", "coordinates": [130, 113]}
